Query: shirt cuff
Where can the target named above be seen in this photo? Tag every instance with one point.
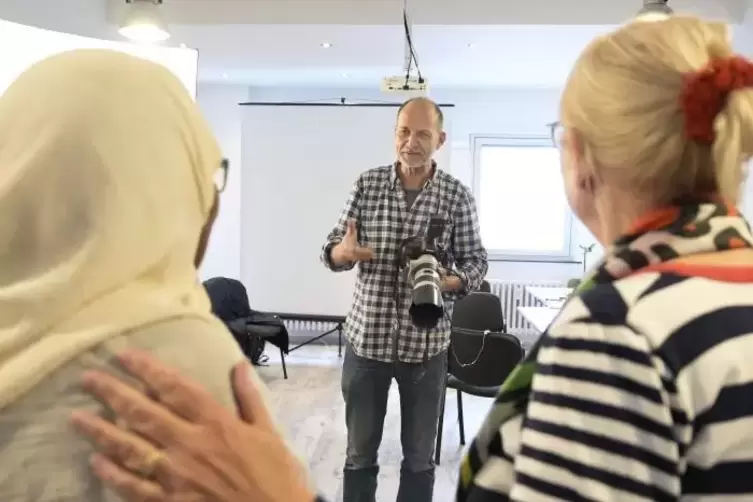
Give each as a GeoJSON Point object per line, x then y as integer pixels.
{"type": "Point", "coordinates": [328, 258]}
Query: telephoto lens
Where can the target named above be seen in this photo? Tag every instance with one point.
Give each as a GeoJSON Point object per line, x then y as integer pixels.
{"type": "Point", "coordinates": [427, 305]}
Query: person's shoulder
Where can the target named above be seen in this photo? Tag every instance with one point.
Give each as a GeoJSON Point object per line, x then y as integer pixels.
{"type": "Point", "coordinates": [597, 318]}
{"type": "Point", "coordinates": [608, 303]}
{"type": "Point", "coordinates": [200, 348]}
{"type": "Point", "coordinates": [674, 308]}
{"type": "Point", "coordinates": [379, 173]}
{"type": "Point", "coordinates": [656, 304]}
{"type": "Point", "coordinates": [456, 187]}
{"type": "Point", "coordinates": [445, 177]}
{"type": "Point", "coordinates": [374, 179]}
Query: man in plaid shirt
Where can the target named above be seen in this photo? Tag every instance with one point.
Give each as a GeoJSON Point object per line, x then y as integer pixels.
{"type": "Point", "coordinates": [387, 206]}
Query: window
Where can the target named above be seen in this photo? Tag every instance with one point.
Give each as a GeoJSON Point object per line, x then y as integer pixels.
{"type": "Point", "coordinates": [522, 207]}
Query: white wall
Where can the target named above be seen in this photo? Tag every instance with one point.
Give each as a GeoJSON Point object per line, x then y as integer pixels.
{"type": "Point", "coordinates": [504, 112]}
{"type": "Point", "coordinates": [219, 103]}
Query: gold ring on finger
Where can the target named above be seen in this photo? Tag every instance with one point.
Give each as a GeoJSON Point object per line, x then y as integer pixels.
{"type": "Point", "coordinates": [150, 463]}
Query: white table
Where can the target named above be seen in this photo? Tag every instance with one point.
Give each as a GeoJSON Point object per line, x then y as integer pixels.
{"type": "Point", "coordinates": [554, 297]}
{"type": "Point", "coordinates": [539, 317]}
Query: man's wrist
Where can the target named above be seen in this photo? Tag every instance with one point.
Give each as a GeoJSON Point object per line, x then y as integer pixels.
{"type": "Point", "coordinates": [337, 257]}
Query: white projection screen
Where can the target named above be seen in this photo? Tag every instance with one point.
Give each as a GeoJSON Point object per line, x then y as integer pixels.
{"type": "Point", "coordinates": [299, 163]}
{"type": "Point", "coordinates": [21, 46]}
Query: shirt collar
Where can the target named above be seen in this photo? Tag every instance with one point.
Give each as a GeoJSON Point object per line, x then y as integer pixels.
{"type": "Point", "coordinates": [394, 177]}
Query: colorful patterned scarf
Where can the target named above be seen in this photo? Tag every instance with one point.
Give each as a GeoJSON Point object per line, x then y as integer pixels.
{"type": "Point", "coordinates": [660, 237]}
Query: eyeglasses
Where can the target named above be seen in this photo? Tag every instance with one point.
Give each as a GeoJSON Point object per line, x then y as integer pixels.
{"type": "Point", "coordinates": [220, 175]}
{"type": "Point", "coordinates": [555, 130]}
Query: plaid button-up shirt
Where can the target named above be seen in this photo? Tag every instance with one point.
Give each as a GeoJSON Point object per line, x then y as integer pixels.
{"type": "Point", "coordinates": [378, 325]}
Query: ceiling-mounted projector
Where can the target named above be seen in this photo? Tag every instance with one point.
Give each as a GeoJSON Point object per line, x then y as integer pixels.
{"type": "Point", "coordinates": [401, 84]}
{"type": "Point", "coordinates": [407, 84]}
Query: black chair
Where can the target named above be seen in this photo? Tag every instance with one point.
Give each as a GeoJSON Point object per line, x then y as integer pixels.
{"type": "Point", "coordinates": [481, 354]}
{"type": "Point", "coordinates": [230, 304]}
{"type": "Point", "coordinates": [485, 287]}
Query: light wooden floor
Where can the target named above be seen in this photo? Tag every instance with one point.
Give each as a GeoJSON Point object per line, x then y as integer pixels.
{"type": "Point", "coordinates": [310, 407]}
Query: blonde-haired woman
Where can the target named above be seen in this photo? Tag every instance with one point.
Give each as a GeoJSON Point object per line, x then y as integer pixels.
{"type": "Point", "coordinates": [642, 388]}
{"type": "Point", "coordinates": [109, 181]}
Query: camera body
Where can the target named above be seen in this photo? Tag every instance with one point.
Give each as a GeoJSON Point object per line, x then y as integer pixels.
{"type": "Point", "coordinates": [423, 258]}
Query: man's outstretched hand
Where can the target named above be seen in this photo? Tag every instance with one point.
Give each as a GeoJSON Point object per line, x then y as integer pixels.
{"type": "Point", "coordinates": [348, 250]}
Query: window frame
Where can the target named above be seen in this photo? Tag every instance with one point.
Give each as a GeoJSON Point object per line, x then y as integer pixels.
{"type": "Point", "coordinates": [479, 141]}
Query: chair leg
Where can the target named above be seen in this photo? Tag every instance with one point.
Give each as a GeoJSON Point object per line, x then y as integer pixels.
{"type": "Point", "coordinates": [440, 427]}
{"type": "Point", "coordinates": [461, 425]}
{"type": "Point", "coordinates": [284, 368]}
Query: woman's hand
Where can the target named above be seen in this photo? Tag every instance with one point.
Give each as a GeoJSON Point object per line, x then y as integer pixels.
{"type": "Point", "coordinates": [181, 445]}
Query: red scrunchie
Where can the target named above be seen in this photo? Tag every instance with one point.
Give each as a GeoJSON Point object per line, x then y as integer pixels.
{"type": "Point", "coordinates": [705, 92]}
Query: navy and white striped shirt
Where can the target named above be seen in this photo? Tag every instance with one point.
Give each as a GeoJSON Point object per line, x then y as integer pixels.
{"type": "Point", "coordinates": [643, 392]}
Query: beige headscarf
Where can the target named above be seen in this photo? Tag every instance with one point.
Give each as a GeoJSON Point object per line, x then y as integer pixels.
{"type": "Point", "coordinates": [106, 180]}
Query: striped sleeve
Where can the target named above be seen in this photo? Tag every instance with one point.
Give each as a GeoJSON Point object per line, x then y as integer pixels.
{"type": "Point", "coordinates": [599, 424]}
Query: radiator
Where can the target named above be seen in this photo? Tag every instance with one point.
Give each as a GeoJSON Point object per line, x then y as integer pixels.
{"type": "Point", "coordinates": [314, 326]}
{"type": "Point", "coordinates": [514, 294]}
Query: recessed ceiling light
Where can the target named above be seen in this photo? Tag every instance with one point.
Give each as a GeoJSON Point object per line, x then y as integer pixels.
{"type": "Point", "coordinates": [224, 75]}
{"type": "Point", "coordinates": [145, 22]}
{"type": "Point", "coordinates": [183, 46]}
{"type": "Point", "coordinates": [345, 75]}
{"type": "Point", "coordinates": [326, 45]}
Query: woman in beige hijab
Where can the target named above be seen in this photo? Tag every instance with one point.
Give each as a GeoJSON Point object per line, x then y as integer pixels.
{"type": "Point", "coordinates": [107, 194]}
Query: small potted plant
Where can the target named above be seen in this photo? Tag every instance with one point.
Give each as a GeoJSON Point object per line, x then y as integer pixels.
{"type": "Point", "coordinates": [574, 283]}
{"type": "Point", "coordinates": [586, 250]}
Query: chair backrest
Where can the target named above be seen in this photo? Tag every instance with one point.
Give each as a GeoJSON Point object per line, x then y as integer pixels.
{"type": "Point", "coordinates": [485, 287]}
{"type": "Point", "coordinates": [229, 298]}
{"type": "Point", "coordinates": [483, 360]}
{"type": "Point", "coordinates": [479, 311]}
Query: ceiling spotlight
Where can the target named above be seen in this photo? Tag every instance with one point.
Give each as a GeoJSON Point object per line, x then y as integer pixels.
{"type": "Point", "coordinates": [654, 10]}
{"type": "Point", "coordinates": [326, 45]}
{"type": "Point", "coordinates": [144, 22]}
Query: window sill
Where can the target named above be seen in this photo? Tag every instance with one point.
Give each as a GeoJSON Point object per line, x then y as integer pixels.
{"type": "Point", "coordinates": [533, 259]}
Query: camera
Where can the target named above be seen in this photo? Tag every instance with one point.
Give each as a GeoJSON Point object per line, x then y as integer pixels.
{"type": "Point", "coordinates": [423, 258]}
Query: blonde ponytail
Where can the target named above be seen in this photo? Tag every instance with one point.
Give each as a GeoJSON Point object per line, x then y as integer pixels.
{"type": "Point", "coordinates": [624, 97]}
{"type": "Point", "coordinates": [733, 143]}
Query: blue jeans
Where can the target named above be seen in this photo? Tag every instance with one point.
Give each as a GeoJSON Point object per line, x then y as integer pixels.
{"type": "Point", "coordinates": [365, 386]}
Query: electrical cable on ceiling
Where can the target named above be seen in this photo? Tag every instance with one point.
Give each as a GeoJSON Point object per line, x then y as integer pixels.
{"type": "Point", "coordinates": [412, 59]}
{"type": "Point", "coordinates": [407, 70]}
{"type": "Point", "coordinates": [412, 49]}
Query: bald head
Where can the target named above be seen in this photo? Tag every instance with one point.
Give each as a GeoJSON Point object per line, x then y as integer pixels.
{"type": "Point", "coordinates": [425, 104]}
{"type": "Point", "coordinates": [418, 133]}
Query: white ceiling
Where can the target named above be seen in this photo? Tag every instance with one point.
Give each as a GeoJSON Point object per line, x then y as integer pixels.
{"type": "Point", "coordinates": [440, 12]}
{"type": "Point", "coordinates": [515, 43]}
{"type": "Point", "coordinates": [291, 55]}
